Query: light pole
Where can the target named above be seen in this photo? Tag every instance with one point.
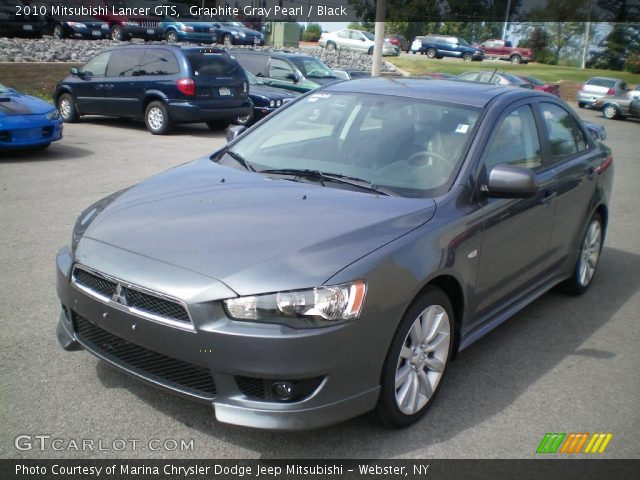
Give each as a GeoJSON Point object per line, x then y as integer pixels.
{"type": "Point", "coordinates": [379, 38]}
{"type": "Point", "coordinates": [585, 47]}
{"type": "Point", "coordinates": [506, 20]}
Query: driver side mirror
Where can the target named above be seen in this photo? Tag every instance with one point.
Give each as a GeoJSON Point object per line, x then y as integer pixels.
{"type": "Point", "coordinates": [234, 132]}
{"type": "Point", "coordinates": [75, 71]}
{"type": "Point", "coordinates": [509, 181]}
{"type": "Point", "coordinates": [597, 132]}
{"type": "Point", "coordinates": [291, 76]}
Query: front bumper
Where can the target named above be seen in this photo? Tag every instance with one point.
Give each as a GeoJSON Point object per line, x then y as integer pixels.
{"type": "Point", "coordinates": [28, 131]}
{"type": "Point", "coordinates": [228, 350]}
{"type": "Point", "coordinates": [186, 112]}
{"type": "Point", "coordinates": [142, 31]}
{"type": "Point", "coordinates": [248, 41]}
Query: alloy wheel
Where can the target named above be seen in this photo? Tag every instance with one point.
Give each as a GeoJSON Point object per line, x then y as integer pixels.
{"type": "Point", "coordinates": [422, 359]}
{"type": "Point", "coordinates": [155, 118]}
{"type": "Point", "coordinates": [590, 253]}
{"type": "Point", "coordinates": [610, 111]}
{"type": "Point", "coordinates": [65, 108]}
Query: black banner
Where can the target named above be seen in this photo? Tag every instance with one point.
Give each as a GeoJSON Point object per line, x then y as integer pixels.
{"type": "Point", "coordinates": [582, 469]}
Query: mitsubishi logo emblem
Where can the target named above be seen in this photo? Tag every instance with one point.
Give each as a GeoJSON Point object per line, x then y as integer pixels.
{"type": "Point", "coordinates": [119, 296]}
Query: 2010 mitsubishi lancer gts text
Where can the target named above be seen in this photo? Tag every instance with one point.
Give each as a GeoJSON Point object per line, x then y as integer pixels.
{"type": "Point", "coordinates": [332, 259]}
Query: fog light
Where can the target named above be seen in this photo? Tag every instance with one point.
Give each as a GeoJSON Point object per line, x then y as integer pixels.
{"type": "Point", "coordinates": [283, 390]}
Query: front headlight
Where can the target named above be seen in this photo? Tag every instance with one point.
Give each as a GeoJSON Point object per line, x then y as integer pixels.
{"type": "Point", "coordinates": [315, 307]}
{"type": "Point", "coordinates": [53, 115]}
{"type": "Point", "coordinates": [105, 26]}
{"type": "Point", "coordinates": [272, 103]}
{"type": "Point", "coordinates": [77, 25]}
{"type": "Point", "coordinates": [278, 103]}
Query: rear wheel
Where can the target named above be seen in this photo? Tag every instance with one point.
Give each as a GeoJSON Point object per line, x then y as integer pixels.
{"type": "Point", "coordinates": [157, 119]}
{"type": "Point", "coordinates": [370, 51]}
{"type": "Point", "coordinates": [588, 258]}
{"type": "Point", "coordinates": [610, 112]}
{"type": "Point", "coordinates": [117, 34]}
{"type": "Point", "coordinates": [227, 40]}
{"type": "Point", "coordinates": [431, 53]}
{"type": "Point", "coordinates": [515, 59]}
{"type": "Point", "coordinates": [417, 360]}
{"type": "Point", "coordinates": [67, 108]}
{"type": "Point", "coordinates": [331, 45]}
{"type": "Point", "coordinates": [58, 32]}
{"type": "Point", "coordinates": [467, 57]}
{"type": "Point", "coordinates": [171, 36]}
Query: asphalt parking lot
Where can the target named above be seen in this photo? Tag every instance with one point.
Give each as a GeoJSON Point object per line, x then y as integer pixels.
{"type": "Point", "coordinates": [564, 364]}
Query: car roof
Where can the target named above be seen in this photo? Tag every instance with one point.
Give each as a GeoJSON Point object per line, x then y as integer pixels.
{"type": "Point", "coordinates": [271, 54]}
{"type": "Point", "coordinates": [451, 91]}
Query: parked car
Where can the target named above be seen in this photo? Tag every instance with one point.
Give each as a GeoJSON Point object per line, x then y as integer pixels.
{"type": "Point", "coordinates": [634, 93]}
{"type": "Point", "coordinates": [162, 84]}
{"type": "Point", "coordinates": [290, 71]}
{"type": "Point", "coordinates": [355, 40]}
{"type": "Point", "coordinates": [597, 87]}
{"type": "Point", "coordinates": [70, 26]}
{"type": "Point", "coordinates": [399, 41]}
{"type": "Point", "coordinates": [541, 86]}
{"type": "Point", "coordinates": [618, 107]}
{"type": "Point", "coordinates": [495, 77]}
{"type": "Point", "coordinates": [331, 261]}
{"type": "Point", "coordinates": [504, 50]}
{"type": "Point", "coordinates": [230, 32]}
{"type": "Point", "coordinates": [439, 46]}
{"type": "Point", "coordinates": [416, 45]}
{"type": "Point", "coordinates": [185, 27]}
{"type": "Point", "coordinates": [26, 121]}
{"type": "Point", "coordinates": [123, 27]}
{"type": "Point", "coordinates": [13, 25]}
{"type": "Point", "coordinates": [439, 75]}
{"type": "Point", "coordinates": [265, 100]}
{"type": "Point", "coordinates": [351, 73]}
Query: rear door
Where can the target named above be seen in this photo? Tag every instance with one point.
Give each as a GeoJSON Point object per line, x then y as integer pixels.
{"type": "Point", "coordinates": [123, 90]}
{"type": "Point", "coordinates": [219, 78]}
{"type": "Point", "coordinates": [89, 89]}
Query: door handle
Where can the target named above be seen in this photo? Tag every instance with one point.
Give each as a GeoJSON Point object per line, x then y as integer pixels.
{"type": "Point", "coordinates": [99, 87]}
{"type": "Point", "coordinates": [548, 196]}
{"type": "Point", "coordinates": [110, 86]}
{"type": "Point", "coordinates": [591, 172]}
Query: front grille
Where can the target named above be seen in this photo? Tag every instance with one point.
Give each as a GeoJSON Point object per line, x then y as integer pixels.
{"type": "Point", "coordinates": [154, 366]}
{"type": "Point", "coordinates": [149, 24]}
{"type": "Point", "coordinates": [145, 304]}
{"type": "Point", "coordinates": [251, 387]}
{"type": "Point", "coordinates": [95, 283]}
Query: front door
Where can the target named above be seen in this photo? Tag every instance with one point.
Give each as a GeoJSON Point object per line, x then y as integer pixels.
{"type": "Point", "coordinates": [89, 88]}
{"type": "Point", "coordinates": [517, 231]}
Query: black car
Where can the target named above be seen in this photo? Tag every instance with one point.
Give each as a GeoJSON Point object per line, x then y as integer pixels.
{"type": "Point", "coordinates": [14, 25]}
{"type": "Point", "coordinates": [70, 26]}
{"type": "Point", "coordinates": [162, 84]}
{"type": "Point", "coordinates": [265, 100]}
{"type": "Point", "coordinates": [231, 32]}
{"type": "Point", "coordinates": [496, 78]}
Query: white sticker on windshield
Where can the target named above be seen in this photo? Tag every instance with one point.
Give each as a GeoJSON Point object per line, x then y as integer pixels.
{"type": "Point", "coordinates": [462, 128]}
{"type": "Point", "coordinates": [317, 96]}
{"type": "Point", "coordinates": [547, 114]}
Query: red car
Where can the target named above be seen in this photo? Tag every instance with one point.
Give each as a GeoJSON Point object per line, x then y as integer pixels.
{"type": "Point", "coordinates": [504, 50]}
{"type": "Point", "coordinates": [541, 86]}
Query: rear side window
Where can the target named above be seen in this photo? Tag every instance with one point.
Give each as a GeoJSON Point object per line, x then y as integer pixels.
{"type": "Point", "coordinates": [211, 64]}
{"type": "Point", "coordinates": [156, 61]}
{"type": "Point", "coordinates": [255, 64]}
{"type": "Point", "coordinates": [98, 66]}
{"type": "Point", "coordinates": [123, 63]}
{"type": "Point", "coordinates": [565, 135]}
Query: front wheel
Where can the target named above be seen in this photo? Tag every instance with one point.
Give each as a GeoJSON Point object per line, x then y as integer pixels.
{"type": "Point", "coordinates": [610, 112]}
{"type": "Point", "coordinates": [157, 119]}
{"type": "Point", "coordinates": [331, 45]}
{"type": "Point", "coordinates": [588, 258]}
{"type": "Point", "coordinates": [467, 57]}
{"type": "Point", "coordinates": [227, 40]}
{"type": "Point", "coordinates": [417, 360]}
{"type": "Point", "coordinates": [431, 53]}
{"type": "Point", "coordinates": [516, 59]}
{"type": "Point", "coordinates": [370, 51]}
{"type": "Point", "coordinates": [58, 32]}
{"type": "Point", "coordinates": [67, 108]}
{"type": "Point", "coordinates": [171, 36]}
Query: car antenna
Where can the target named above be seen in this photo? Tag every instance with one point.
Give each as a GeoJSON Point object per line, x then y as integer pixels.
{"type": "Point", "coordinates": [492, 75]}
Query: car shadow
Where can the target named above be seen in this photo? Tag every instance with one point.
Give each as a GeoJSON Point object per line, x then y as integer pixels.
{"type": "Point", "coordinates": [190, 129]}
{"type": "Point", "coordinates": [56, 151]}
{"type": "Point", "coordinates": [484, 380]}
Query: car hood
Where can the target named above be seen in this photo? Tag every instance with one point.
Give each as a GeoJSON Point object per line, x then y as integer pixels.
{"type": "Point", "coordinates": [272, 93]}
{"type": "Point", "coordinates": [245, 30]}
{"type": "Point", "coordinates": [15, 103]}
{"type": "Point", "coordinates": [253, 233]}
{"type": "Point", "coordinates": [324, 80]}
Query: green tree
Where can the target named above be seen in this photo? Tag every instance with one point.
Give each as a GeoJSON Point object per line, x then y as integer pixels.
{"type": "Point", "coordinates": [312, 32]}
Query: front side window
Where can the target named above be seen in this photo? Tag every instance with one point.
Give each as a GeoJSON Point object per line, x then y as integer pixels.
{"type": "Point", "coordinates": [312, 68]}
{"type": "Point", "coordinates": [280, 69]}
{"type": "Point", "coordinates": [344, 34]}
{"type": "Point", "coordinates": [411, 147]}
{"type": "Point", "coordinates": [515, 142]}
{"type": "Point", "coordinates": [98, 66]}
{"type": "Point", "coordinates": [123, 63]}
{"type": "Point", "coordinates": [565, 136]}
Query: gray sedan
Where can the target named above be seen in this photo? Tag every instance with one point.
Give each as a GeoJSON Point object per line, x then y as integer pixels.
{"type": "Point", "coordinates": [330, 261]}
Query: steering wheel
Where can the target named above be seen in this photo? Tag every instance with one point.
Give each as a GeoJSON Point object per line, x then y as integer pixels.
{"type": "Point", "coordinates": [416, 156]}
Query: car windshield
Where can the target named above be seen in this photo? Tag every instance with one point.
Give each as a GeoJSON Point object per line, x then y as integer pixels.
{"type": "Point", "coordinates": [409, 147]}
{"type": "Point", "coordinates": [310, 67]}
{"type": "Point", "coordinates": [463, 42]}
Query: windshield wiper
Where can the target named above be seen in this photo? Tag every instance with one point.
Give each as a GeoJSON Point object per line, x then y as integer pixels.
{"type": "Point", "coordinates": [332, 177]}
{"type": "Point", "coordinates": [238, 158]}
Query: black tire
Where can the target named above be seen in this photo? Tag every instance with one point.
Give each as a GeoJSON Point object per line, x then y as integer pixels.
{"type": "Point", "coordinates": [67, 107]}
{"type": "Point", "coordinates": [581, 104]}
{"type": "Point", "coordinates": [610, 111]}
{"type": "Point", "coordinates": [575, 285]}
{"type": "Point", "coordinates": [331, 45]}
{"type": "Point", "coordinates": [58, 31]}
{"type": "Point", "coordinates": [117, 34]}
{"type": "Point", "coordinates": [387, 409]}
{"type": "Point", "coordinates": [467, 57]}
{"type": "Point", "coordinates": [157, 119]}
{"type": "Point", "coordinates": [245, 121]}
{"type": "Point", "coordinates": [370, 51]}
{"type": "Point", "coordinates": [218, 124]}
{"type": "Point", "coordinates": [227, 40]}
{"type": "Point", "coordinates": [431, 52]}
{"type": "Point", "coordinates": [515, 59]}
{"type": "Point", "coordinates": [171, 36]}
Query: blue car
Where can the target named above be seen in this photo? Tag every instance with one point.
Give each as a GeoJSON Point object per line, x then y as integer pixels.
{"type": "Point", "coordinates": [184, 27]}
{"type": "Point", "coordinates": [26, 121]}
